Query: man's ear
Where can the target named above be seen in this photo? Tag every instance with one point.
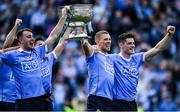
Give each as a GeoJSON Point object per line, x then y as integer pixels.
{"type": "Point", "coordinates": [97, 41]}
{"type": "Point", "coordinates": [120, 44]}
{"type": "Point", "coordinates": [19, 41]}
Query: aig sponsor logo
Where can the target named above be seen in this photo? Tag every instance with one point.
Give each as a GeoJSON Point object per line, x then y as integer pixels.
{"type": "Point", "coordinates": [29, 66]}
{"type": "Point", "coordinates": [128, 71]}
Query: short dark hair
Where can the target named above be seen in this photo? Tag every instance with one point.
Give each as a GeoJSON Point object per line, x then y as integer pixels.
{"type": "Point", "coordinates": [98, 34]}
{"type": "Point", "coordinates": [37, 38]}
{"type": "Point", "coordinates": [20, 32]}
{"type": "Point", "coordinates": [124, 36]}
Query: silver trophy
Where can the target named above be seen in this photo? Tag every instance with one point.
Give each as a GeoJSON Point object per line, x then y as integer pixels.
{"type": "Point", "coordinates": [81, 15]}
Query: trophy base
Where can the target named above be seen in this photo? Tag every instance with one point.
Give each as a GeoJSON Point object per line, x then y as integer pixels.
{"type": "Point", "coordinates": [77, 37]}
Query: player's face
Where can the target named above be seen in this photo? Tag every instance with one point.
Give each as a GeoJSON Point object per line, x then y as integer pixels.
{"type": "Point", "coordinates": [105, 42]}
{"type": "Point", "coordinates": [128, 46]}
{"type": "Point", "coordinates": [27, 41]}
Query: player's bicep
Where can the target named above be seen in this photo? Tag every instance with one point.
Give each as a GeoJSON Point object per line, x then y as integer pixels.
{"type": "Point", "coordinates": [88, 49]}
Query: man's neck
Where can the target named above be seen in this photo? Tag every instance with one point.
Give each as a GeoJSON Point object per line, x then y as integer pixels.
{"type": "Point", "coordinates": [104, 52]}
{"type": "Point", "coordinates": [27, 50]}
{"type": "Point", "coordinates": [124, 55]}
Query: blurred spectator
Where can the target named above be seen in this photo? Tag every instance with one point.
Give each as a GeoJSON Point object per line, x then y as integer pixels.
{"type": "Point", "coordinates": [38, 19]}
{"type": "Point", "coordinates": [59, 94]}
{"type": "Point", "coordinates": [167, 103]}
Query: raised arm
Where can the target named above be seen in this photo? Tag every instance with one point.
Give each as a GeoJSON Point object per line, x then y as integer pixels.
{"type": "Point", "coordinates": [12, 34]}
{"type": "Point", "coordinates": [57, 29]}
{"type": "Point", "coordinates": [60, 47]}
{"type": "Point", "coordinates": [87, 47]}
{"type": "Point", "coordinates": [160, 46]}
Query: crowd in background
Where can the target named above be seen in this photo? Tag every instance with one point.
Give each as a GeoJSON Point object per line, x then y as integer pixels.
{"type": "Point", "coordinates": [159, 81]}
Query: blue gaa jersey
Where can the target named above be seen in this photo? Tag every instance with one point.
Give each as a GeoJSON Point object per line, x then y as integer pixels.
{"type": "Point", "coordinates": [46, 70]}
{"type": "Point", "coordinates": [101, 75]}
{"type": "Point", "coordinates": [7, 84]}
{"type": "Point", "coordinates": [126, 75]}
{"type": "Point", "coordinates": [26, 70]}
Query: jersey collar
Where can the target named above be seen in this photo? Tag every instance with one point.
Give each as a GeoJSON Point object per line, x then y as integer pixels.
{"type": "Point", "coordinates": [21, 50]}
{"type": "Point", "coordinates": [124, 57]}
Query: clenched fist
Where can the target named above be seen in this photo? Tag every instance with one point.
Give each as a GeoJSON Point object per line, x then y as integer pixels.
{"type": "Point", "coordinates": [18, 22]}
{"type": "Point", "coordinates": [65, 10]}
{"type": "Point", "coordinates": [171, 29]}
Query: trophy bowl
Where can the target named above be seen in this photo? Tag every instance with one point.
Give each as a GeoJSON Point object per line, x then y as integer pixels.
{"type": "Point", "coordinates": [81, 15]}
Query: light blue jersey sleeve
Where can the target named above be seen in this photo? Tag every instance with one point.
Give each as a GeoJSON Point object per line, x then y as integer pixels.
{"type": "Point", "coordinates": [52, 56]}
{"type": "Point", "coordinates": [139, 57]}
{"type": "Point", "coordinates": [8, 57]}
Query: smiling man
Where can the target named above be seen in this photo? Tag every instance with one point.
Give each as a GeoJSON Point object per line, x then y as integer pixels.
{"type": "Point", "coordinates": [25, 64]}
{"type": "Point", "coordinates": [101, 73]}
{"type": "Point", "coordinates": [127, 64]}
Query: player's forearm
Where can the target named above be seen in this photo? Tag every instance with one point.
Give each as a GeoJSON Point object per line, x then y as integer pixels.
{"type": "Point", "coordinates": [10, 49]}
{"type": "Point", "coordinates": [55, 32]}
{"type": "Point", "coordinates": [163, 44]}
{"type": "Point", "coordinates": [10, 37]}
{"type": "Point", "coordinates": [88, 50]}
{"type": "Point", "coordinates": [158, 48]}
{"type": "Point", "coordinates": [57, 29]}
{"type": "Point", "coordinates": [60, 47]}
